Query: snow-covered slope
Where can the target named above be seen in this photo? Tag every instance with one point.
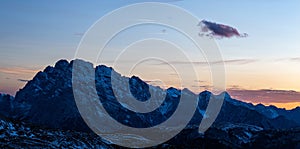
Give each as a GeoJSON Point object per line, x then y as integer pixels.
{"type": "Point", "coordinates": [14, 134]}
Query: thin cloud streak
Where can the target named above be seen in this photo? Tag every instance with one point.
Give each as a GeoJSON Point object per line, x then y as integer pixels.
{"type": "Point", "coordinates": [168, 1]}
{"type": "Point", "coordinates": [227, 62]}
{"type": "Point", "coordinates": [162, 32]}
{"type": "Point", "coordinates": [200, 81]}
{"type": "Point", "coordinates": [290, 59]}
{"type": "Point", "coordinates": [153, 81]}
{"type": "Point", "coordinates": [78, 34]}
{"type": "Point", "coordinates": [265, 95]}
{"type": "Point", "coordinates": [202, 86]}
{"type": "Point", "coordinates": [18, 70]}
{"type": "Point", "coordinates": [295, 59]}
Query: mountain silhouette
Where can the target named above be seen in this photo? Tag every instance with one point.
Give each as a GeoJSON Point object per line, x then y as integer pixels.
{"type": "Point", "coordinates": [47, 101]}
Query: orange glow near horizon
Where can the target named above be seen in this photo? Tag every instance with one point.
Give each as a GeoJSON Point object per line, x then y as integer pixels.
{"type": "Point", "coordinates": [288, 106]}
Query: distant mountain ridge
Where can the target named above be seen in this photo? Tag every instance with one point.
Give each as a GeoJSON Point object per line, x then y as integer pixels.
{"type": "Point", "coordinates": [48, 100]}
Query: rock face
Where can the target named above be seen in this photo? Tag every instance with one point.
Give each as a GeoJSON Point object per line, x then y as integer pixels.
{"type": "Point", "coordinates": [6, 105]}
{"type": "Point", "coordinates": [139, 89]}
{"type": "Point", "coordinates": [47, 101]}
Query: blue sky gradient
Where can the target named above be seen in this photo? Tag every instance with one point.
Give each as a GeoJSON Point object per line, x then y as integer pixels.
{"type": "Point", "coordinates": [34, 34]}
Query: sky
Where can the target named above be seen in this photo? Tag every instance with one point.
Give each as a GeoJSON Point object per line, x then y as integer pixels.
{"type": "Point", "coordinates": [261, 68]}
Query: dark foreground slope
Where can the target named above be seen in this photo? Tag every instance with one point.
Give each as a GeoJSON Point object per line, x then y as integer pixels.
{"type": "Point", "coordinates": [14, 134]}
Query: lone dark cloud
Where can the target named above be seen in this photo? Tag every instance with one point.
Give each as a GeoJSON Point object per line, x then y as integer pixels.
{"type": "Point", "coordinates": [212, 29]}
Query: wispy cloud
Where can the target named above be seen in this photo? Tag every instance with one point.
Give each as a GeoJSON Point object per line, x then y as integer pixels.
{"type": "Point", "coordinates": [238, 61]}
{"type": "Point", "coordinates": [295, 59]}
{"type": "Point", "coordinates": [18, 70]}
{"type": "Point", "coordinates": [265, 95]}
{"type": "Point", "coordinates": [161, 32]}
{"type": "Point", "coordinates": [174, 0]}
{"type": "Point", "coordinates": [200, 81]}
{"type": "Point", "coordinates": [213, 29]}
{"type": "Point", "coordinates": [202, 86]}
{"type": "Point", "coordinates": [153, 81]}
{"type": "Point", "coordinates": [235, 87]}
{"type": "Point", "coordinates": [289, 59]}
{"type": "Point", "coordinates": [146, 20]}
{"type": "Point", "coordinates": [167, 1]}
{"type": "Point", "coordinates": [173, 74]}
{"type": "Point", "coordinates": [228, 62]}
{"type": "Point", "coordinates": [78, 34]}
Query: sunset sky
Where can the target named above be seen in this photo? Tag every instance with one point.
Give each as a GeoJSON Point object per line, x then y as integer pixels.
{"type": "Point", "coordinates": [261, 68]}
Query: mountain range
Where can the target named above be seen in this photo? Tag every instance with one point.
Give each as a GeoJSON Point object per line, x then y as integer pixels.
{"type": "Point", "coordinates": [46, 105]}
